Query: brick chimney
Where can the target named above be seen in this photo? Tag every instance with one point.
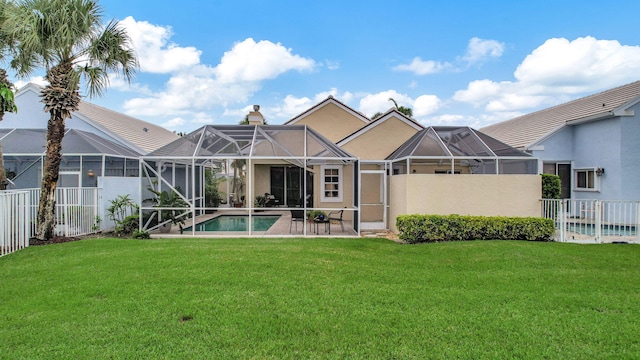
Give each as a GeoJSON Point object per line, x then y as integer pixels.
{"type": "Point", "coordinates": [255, 117]}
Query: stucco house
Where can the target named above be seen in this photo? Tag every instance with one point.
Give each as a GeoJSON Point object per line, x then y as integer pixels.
{"type": "Point", "coordinates": [592, 143]}
{"type": "Point", "coordinates": [331, 158]}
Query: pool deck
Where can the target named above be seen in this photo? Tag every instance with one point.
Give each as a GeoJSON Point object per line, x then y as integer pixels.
{"type": "Point", "coordinates": [283, 227]}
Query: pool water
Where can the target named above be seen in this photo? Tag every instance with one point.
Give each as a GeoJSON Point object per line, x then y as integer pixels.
{"type": "Point", "coordinates": [607, 230]}
{"type": "Point", "coordinates": [236, 223]}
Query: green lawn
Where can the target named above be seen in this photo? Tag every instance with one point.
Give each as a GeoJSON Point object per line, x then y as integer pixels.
{"type": "Point", "coordinates": [320, 298]}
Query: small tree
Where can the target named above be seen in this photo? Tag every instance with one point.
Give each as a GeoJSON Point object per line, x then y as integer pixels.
{"type": "Point", "coordinates": [551, 186]}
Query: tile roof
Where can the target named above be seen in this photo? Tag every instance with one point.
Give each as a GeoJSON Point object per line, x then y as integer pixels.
{"type": "Point", "coordinates": [143, 135]}
{"type": "Point", "coordinates": [524, 130]}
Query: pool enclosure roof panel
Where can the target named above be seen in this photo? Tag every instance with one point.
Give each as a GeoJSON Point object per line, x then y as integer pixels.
{"type": "Point", "coordinates": [76, 142]}
{"type": "Point", "coordinates": [265, 141]}
{"type": "Point", "coordinates": [454, 141]}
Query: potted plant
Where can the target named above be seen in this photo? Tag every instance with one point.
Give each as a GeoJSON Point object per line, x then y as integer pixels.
{"type": "Point", "coordinates": [261, 201]}
{"type": "Point", "coordinates": [165, 199]}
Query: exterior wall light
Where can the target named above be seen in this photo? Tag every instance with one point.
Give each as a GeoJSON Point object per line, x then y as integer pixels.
{"type": "Point", "coordinates": [600, 171]}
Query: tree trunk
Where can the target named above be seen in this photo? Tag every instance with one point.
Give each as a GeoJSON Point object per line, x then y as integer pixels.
{"type": "Point", "coordinates": [61, 98]}
{"type": "Point", "coordinates": [47, 206]}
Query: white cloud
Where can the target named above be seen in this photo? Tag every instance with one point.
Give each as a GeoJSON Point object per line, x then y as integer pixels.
{"type": "Point", "coordinates": [156, 54]}
{"type": "Point", "coordinates": [202, 87]}
{"type": "Point", "coordinates": [292, 105]}
{"type": "Point", "coordinates": [332, 65]}
{"type": "Point", "coordinates": [38, 80]}
{"type": "Point", "coordinates": [373, 103]}
{"type": "Point", "coordinates": [174, 123]}
{"type": "Point", "coordinates": [584, 64]}
{"type": "Point", "coordinates": [250, 61]}
{"type": "Point", "coordinates": [553, 73]}
{"type": "Point", "coordinates": [480, 49]}
{"type": "Point", "coordinates": [422, 67]}
{"type": "Point", "coordinates": [425, 105]}
{"type": "Point", "coordinates": [445, 119]}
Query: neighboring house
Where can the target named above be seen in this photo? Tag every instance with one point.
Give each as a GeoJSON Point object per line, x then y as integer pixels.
{"type": "Point", "coordinates": [98, 142]}
{"type": "Point", "coordinates": [592, 143]}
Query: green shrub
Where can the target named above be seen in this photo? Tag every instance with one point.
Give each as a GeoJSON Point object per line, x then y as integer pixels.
{"type": "Point", "coordinates": [140, 234]}
{"type": "Point", "coordinates": [550, 186]}
{"type": "Point", "coordinates": [433, 228]}
{"type": "Point", "coordinates": [128, 226]}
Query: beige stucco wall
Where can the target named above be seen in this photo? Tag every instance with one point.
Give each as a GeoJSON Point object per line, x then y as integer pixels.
{"type": "Point", "coordinates": [332, 122]}
{"type": "Point", "coordinates": [347, 191]}
{"type": "Point", "coordinates": [486, 195]}
{"type": "Point", "coordinates": [381, 140]}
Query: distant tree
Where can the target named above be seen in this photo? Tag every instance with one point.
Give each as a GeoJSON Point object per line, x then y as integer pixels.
{"type": "Point", "coordinates": [69, 40]}
{"type": "Point", "coordinates": [7, 103]}
{"type": "Point", "coordinates": [376, 115]}
{"type": "Point", "coordinates": [405, 110]}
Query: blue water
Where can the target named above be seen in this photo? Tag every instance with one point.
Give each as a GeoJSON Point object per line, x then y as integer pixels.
{"type": "Point", "coordinates": [236, 223]}
{"type": "Point", "coordinates": [607, 230]}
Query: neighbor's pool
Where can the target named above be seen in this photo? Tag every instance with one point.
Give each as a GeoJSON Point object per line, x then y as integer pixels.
{"type": "Point", "coordinates": [607, 230]}
{"type": "Point", "coordinates": [236, 223]}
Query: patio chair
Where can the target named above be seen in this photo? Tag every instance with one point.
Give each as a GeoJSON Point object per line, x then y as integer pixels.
{"type": "Point", "coordinates": [297, 216]}
{"type": "Point", "coordinates": [336, 216]}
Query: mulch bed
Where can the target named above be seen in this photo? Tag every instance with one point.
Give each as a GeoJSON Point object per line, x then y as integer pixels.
{"type": "Point", "coordinates": [54, 240]}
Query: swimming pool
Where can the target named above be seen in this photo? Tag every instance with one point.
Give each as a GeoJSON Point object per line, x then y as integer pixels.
{"type": "Point", "coordinates": [607, 230]}
{"type": "Point", "coordinates": [236, 223]}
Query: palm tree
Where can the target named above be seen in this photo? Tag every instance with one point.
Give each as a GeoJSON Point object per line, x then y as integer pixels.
{"type": "Point", "coordinates": [69, 40]}
{"type": "Point", "coordinates": [405, 110]}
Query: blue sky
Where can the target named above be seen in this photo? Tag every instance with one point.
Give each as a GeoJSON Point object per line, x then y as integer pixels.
{"type": "Point", "coordinates": [454, 62]}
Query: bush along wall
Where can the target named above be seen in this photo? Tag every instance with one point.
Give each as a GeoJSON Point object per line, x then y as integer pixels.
{"type": "Point", "coordinates": [551, 186]}
{"type": "Point", "coordinates": [433, 228]}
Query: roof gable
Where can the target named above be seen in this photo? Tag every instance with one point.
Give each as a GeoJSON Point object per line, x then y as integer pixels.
{"type": "Point", "coordinates": [527, 129]}
{"type": "Point", "coordinates": [331, 118]}
{"type": "Point", "coordinates": [381, 137]}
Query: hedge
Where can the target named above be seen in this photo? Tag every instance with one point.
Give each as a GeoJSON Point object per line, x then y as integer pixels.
{"type": "Point", "coordinates": [433, 228]}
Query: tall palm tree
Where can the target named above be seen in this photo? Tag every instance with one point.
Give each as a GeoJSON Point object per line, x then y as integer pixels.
{"type": "Point", "coordinates": [7, 103]}
{"type": "Point", "coordinates": [405, 110]}
{"type": "Point", "coordinates": [69, 40]}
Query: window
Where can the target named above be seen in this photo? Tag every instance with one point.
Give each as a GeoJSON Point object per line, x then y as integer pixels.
{"type": "Point", "coordinates": [331, 184]}
{"type": "Point", "coordinates": [586, 180]}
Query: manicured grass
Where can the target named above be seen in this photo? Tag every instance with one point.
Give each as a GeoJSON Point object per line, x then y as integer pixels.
{"type": "Point", "coordinates": [320, 298]}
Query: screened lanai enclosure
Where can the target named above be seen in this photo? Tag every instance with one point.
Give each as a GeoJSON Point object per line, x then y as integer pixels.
{"type": "Point", "coordinates": [226, 180]}
{"type": "Point", "coordinates": [85, 157]}
{"type": "Point", "coordinates": [425, 160]}
{"type": "Point", "coordinates": [459, 150]}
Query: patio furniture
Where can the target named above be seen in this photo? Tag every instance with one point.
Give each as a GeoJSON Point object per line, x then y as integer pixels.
{"type": "Point", "coordinates": [271, 201]}
{"type": "Point", "coordinates": [296, 217]}
{"type": "Point", "coordinates": [327, 224]}
{"type": "Point", "coordinates": [336, 216]}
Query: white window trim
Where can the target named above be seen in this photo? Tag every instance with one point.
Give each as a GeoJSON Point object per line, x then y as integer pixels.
{"type": "Point", "coordinates": [596, 180]}
{"type": "Point", "coordinates": [322, 183]}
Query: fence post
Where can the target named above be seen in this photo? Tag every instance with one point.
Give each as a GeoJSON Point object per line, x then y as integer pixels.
{"type": "Point", "coordinates": [562, 219]}
{"type": "Point", "coordinates": [598, 218]}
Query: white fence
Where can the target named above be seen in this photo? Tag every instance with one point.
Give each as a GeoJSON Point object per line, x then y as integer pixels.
{"type": "Point", "coordinates": [78, 211]}
{"type": "Point", "coordinates": [595, 220]}
{"type": "Point", "coordinates": [14, 221]}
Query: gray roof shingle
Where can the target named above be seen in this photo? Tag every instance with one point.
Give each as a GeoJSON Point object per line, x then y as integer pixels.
{"type": "Point", "coordinates": [524, 130]}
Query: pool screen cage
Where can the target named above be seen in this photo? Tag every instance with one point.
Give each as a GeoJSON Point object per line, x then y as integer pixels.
{"type": "Point", "coordinates": [459, 150]}
{"type": "Point", "coordinates": [231, 169]}
{"type": "Point", "coordinates": [85, 157]}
